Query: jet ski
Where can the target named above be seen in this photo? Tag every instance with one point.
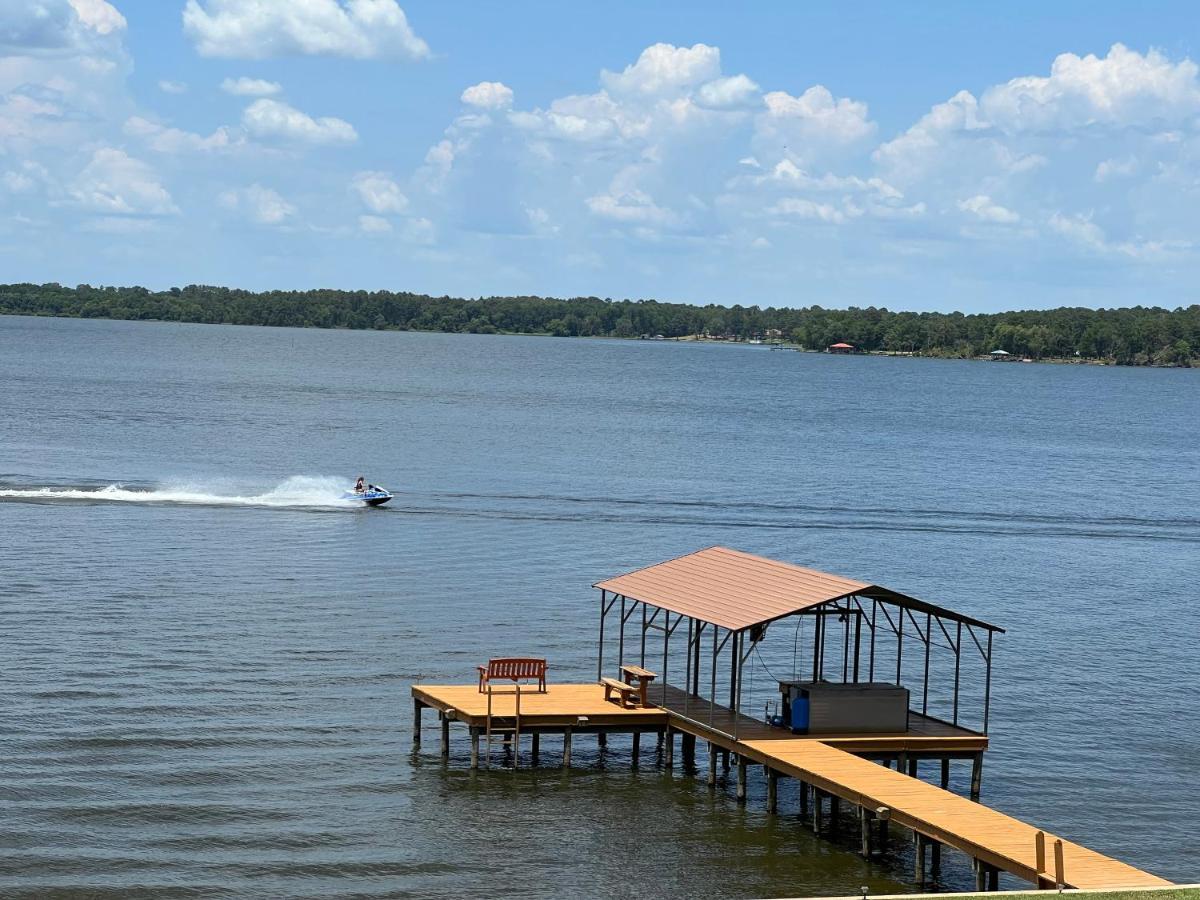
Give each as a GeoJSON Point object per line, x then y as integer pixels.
{"type": "Point", "coordinates": [371, 495]}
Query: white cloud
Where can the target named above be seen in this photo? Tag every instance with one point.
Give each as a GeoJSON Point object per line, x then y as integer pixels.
{"type": "Point", "coordinates": [488, 95]}
{"type": "Point", "coordinates": [665, 68]}
{"type": "Point", "coordinates": [1115, 168]}
{"type": "Point", "coordinates": [1123, 88]}
{"type": "Point", "coordinates": [374, 224]}
{"type": "Point", "coordinates": [276, 120]}
{"type": "Point", "coordinates": [99, 16]}
{"type": "Point", "coordinates": [815, 117]}
{"type": "Point", "coordinates": [378, 192]}
{"type": "Point", "coordinates": [251, 87]}
{"type": "Point", "coordinates": [172, 87]}
{"type": "Point", "coordinates": [174, 140]}
{"type": "Point", "coordinates": [359, 29]}
{"type": "Point", "coordinates": [259, 204]}
{"type": "Point", "coordinates": [630, 206]}
{"type": "Point", "coordinates": [728, 93]}
{"type": "Point", "coordinates": [117, 184]}
{"type": "Point", "coordinates": [802, 208]}
{"type": "Point", "coordinates": [984, 208]}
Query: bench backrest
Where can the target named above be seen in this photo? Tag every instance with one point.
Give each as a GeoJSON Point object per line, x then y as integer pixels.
{"type": "Point", "coordinates": [516, 668]}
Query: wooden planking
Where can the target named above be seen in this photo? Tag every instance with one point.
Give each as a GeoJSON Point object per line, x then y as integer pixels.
{"type": "Point", "coordinates": [826, 761]}
{"type": "Point", "coordinates": [924, 734]}
{"type": "Point", "coordinates": [977, 830]}
{"type": "Point", "coordinates": [562, 704]}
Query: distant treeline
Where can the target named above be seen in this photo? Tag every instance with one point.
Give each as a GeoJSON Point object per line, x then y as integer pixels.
{"type": "Point", "coordinates": [1134, 336]}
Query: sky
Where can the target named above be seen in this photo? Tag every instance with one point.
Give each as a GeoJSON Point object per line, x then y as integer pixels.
{"type": "Point", "coordinates": [923, 156]}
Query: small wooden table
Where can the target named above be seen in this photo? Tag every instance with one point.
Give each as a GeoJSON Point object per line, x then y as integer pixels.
{"type": "Point", "coordinates": [643, 677]}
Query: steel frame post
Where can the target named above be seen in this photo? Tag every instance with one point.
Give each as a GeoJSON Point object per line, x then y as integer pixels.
{"type": "Point", "coordinates": [957, 669]}
{"type": "Point", "coordinates": [925, 680]}
{"type": "Point", "coordinates": [987, 685]}
{"type": "Point", "coordinates": [600, 654]}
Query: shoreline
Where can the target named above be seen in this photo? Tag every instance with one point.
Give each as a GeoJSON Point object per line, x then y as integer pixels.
{"type": "Point", "coordinates": [658, 339]}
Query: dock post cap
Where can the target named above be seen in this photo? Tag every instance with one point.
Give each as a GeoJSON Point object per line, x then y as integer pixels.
{"type": "Point", "coordinates": [581, 720]}
{"type": "Point", "coordinates": [882, 812]}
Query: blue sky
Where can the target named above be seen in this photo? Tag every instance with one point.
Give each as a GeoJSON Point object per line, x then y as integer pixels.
{"type": "Point", "coordinates": [918, 156]}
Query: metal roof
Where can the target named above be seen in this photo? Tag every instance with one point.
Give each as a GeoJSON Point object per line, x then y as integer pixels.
{"type": "Point", "coordinates": [735, 590]}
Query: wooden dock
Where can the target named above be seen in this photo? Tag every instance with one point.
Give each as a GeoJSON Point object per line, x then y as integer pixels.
{"type": "Point", "coordinates": [830, 769]}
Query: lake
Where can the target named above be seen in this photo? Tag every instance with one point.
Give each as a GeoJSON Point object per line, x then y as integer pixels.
{"type": "Point", "coordinates": [208, 657]}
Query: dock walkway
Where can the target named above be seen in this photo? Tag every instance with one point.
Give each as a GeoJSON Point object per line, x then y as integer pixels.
{"type": "Point", "coordinates": [833, 765]}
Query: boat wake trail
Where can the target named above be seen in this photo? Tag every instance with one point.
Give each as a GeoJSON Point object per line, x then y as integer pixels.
{"type": "Point", "coordinates": [299, 491]}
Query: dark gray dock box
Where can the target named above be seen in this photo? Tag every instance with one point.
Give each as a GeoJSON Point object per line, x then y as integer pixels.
{"type": "Point", "coordinates": [853, 708]}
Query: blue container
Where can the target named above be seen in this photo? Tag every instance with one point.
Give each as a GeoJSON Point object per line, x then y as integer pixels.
{"type": "Point", "coordinates": [799, 715]}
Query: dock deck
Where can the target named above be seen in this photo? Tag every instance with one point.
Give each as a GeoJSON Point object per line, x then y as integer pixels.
{"type": "Point", "coordinates": [832, 765]}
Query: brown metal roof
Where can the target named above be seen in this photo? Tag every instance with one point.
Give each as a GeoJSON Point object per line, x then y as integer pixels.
{"type": "Point", "coordinates": [736, 590]}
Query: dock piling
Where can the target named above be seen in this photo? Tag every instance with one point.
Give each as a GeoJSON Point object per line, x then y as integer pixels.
{"type": "Point", "coordinates": [741, 779]}
{"type": "Point", "coordinates": [772, 790]}
{"type": "Point", "coordinates": [445, 720]}
{"type": "Point", "coordinates": [669, 751]}
{"type": "Point", "coordinates": [474, 747]}
{"type": "Point", "coordinates": [919, 858]}
{"type": "Point", "coordinates": [945, 784]}
{"type": "Point", "coordinates": [636, 750]}
{"type": "Point", "coordinates": [712, 764]}
{"type": "Point", "coordinates": [417, 707]}
{"type": "Point", "coordinates": [567, 748]}
{"type": "Point", "coordinates": [864, 831]}
{"type": "Point", "coordinates": [535, 749]}
{"type": "Point", "coordinates": [976, 777]}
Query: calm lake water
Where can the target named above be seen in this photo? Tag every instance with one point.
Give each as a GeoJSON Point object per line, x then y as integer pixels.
{"type": "Point", "coordinates": [208, 658]}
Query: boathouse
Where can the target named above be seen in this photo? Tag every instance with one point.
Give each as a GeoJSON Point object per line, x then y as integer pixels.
{"type": "Point", "coordinates": [842, 347]}
{"type": "Point", "coordinates": [864, 684]}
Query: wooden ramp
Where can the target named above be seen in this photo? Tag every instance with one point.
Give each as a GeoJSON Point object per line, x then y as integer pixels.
{"type": "Point", "coordinates": [826, 762]}
{"type": "Point", "coordinates": [981, 832]}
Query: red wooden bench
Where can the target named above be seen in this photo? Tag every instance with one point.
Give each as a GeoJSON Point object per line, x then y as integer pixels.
{"type": "Point", "coordinates": [514, 669]}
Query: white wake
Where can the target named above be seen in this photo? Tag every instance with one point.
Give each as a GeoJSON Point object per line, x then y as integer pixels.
{"type": "Point", "coordinates": [297, 491]}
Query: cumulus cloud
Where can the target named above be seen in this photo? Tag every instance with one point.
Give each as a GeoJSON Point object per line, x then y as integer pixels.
{"type": "Point", "coordinates": [728, 93]}
{"type": "Point", "coordinates": [275, 120]}
{"type": "Point", "coordinates": [982, 207]}
{"type": "Point", "coordinates": [811, 125]}
{"type": "Point", "coordinates": [1123, 88]}
{"type": "Point", "coordinates": [359, 29]}
{"type": "Point", "coordinates": [115, 183]}
{"type": "Point", "coordinates": [379, 193]}
{"type": "Point", "coordinates": [251, 87]}
{"type": "Point", "coordinates": [172, 87]}
{"type": "Point", "coordinates": [665, 68]}
{"type": "Point", "coordinates": [165, 139]}
{"type": "Point", "coordinates": [488, 95]}
{"type": "Point", "coordinates": [259, 204]}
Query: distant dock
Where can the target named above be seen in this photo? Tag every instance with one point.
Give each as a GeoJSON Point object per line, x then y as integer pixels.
{"type": "Point", "coordinates": [721, 602]}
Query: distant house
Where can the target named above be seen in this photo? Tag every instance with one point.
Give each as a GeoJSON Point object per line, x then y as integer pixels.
{"type": "Point", "coordinates": [841, 348]}
{"type": "Point", "coordinates": [999, 354]}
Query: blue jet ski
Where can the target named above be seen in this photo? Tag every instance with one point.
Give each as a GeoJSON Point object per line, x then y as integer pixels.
{"type": "Point", "coordinates": [371, 495]}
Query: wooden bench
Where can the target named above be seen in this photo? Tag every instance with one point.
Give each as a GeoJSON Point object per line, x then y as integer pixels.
{"type": "Point", "coordinates": [625, 692]}
{"type": "Point", "coordinates": [515, 669]}
{"type": "Point", "coordinates": [643, 677]}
